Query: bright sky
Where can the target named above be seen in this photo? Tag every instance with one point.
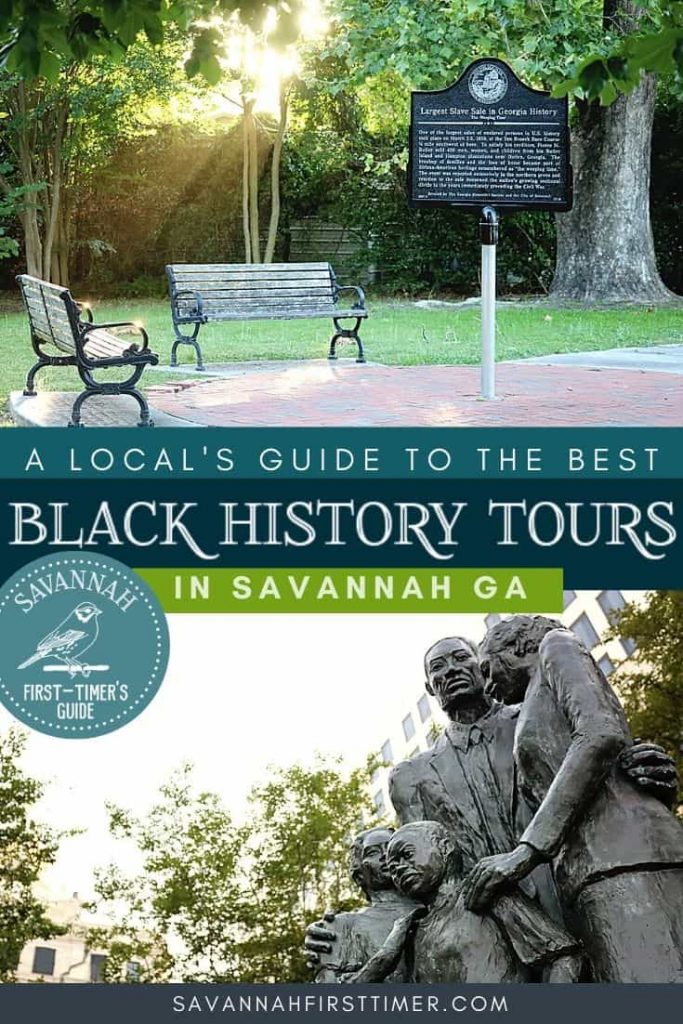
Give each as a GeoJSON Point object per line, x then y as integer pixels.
{"type": "Point", "coordinates": [242, 692]}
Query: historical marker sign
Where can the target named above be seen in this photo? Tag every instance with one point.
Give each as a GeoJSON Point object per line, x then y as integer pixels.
{"type": "Point", "coordinates": [489, 140]}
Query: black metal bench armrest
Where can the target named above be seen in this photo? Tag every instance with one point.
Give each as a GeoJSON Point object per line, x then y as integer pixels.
{"type": "Point", "coordinates": [360, 301]}
{"type": "Point", "coordinates": [129, 357]}
{"type": "Point", "coordinates": [87, 328]}
{"type": "Point", "coordinates": [85, 307]}
{"type": "Point", "coordinates": [183, 293]}
{"type": "Point", "coordinates": [88, 360]}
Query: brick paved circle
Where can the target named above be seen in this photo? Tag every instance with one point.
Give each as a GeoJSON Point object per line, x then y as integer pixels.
{"type": "Point", "coordinates": [317, 394]}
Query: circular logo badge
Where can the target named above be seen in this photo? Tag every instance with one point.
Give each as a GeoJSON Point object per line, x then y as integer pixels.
{"type": "Point", "coordinates": [488, 83]}
{"type": "Point", "coordinates": [84, 645]}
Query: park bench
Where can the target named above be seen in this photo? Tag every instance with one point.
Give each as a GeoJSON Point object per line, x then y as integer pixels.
{"type": "Point", "coordinates": [203, 293]}
{"type": "Point", "coordinates": [57, 322]}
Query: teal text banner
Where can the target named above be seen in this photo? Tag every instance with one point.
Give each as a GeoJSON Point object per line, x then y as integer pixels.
{"type": "Point", "coordinates": [356, 453]}
{"type": "Point", "coordinates": [604, 505]}
{"type": "Point", "coordinates": [610, 533]}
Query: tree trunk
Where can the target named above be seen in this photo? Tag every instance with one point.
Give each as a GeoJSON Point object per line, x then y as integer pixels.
{"type": "Point", "coordinates": [50, 267]}
{"type": "Point", "coordinates": [25, 155]}
{"type": "Point", "coordinates": [33, 247]}
{"type": "Point", "coordinates": [254, 228]}
{"type": "Point", "coordinates": [245, 180]}
{"type": "Point", "coordinates": [61, 250]}
{"type": "Point", "coordinates": [605, 249]}
{"type": "Point", "coordinates": [59, 265]}
{"type": "Point", "coordinates": [275, 178]}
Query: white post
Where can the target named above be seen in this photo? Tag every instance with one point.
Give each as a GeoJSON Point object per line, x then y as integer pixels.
{"type": "Point", "coordinates": [488, 321]}
{"type": "Point", "coordinates": [489, 237]}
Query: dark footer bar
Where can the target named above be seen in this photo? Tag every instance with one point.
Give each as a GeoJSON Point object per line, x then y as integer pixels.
{"type": "Point", "coordinates": [158, 1004]}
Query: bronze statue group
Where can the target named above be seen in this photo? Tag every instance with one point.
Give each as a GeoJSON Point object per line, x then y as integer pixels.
{"type": "Point", "coordinates": [537, 841]}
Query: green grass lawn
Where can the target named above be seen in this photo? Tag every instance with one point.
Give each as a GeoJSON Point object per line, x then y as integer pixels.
{"type": "Point", "coordinates": [395, 333]}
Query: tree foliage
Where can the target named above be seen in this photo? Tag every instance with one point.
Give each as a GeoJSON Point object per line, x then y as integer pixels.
{"type": "Point", "coordinates": [650, 683]}
{"type": "Point", "coordinates": [219, 901]}
{"type": "Point", "coordinates": [58, 132]}
{"type": "Point", "coordinates": [578, 46]}
{"type": "Point", "coordinates": [429, 44]}
{"type": "Point", "coordinates": [569, 46]}
{"type": "Point", "coordinates": [26, 848]}
{"type": "Point", "coordinates": [39, 35]}
{"type": "Point", "coordinates": [13, 202]}
{"type": "Point", "coordinates": [176, 917]}
{"type": "Point", "coordinates": [618, 67]}
{"type": "Point", "coordinates": [302, 821]}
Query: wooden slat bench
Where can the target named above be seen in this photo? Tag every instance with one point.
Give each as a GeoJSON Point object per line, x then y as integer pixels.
{"type": "Point", "coordinates": [56, 323]}
{"type": "Point", "coordinates": [201, 294]}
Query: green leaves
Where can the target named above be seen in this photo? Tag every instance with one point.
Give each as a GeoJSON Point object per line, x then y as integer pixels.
{"type": "Point", "coordinates": [204, 57]}
{"type": "Point", "coordinates": [659, 52]}
{"type": "Point", "coordinates": [651, 683]}
{"type": "Point", "coordinates": [26, 848]}
{"type": "Point", "coordinates": [302, 821]}
{"type": "Point", "coordinates": [49, 66]}
{"type": "Point", "coordinates": [618, 70]}
{"type": "Point", "coordinates": [187, 893]}
{"type": "Point", "coordinates": [564, 43]}
{"type": "Point", "coordinates": [231, 901]}
{"type": "Point", "coordinates": [593, 81]}
{"type": "Point", "coordinates": [34, 33]}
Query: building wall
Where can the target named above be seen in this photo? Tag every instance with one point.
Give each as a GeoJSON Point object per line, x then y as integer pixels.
{"type": "Point", "coordinates": [70, 959]}
{"type": "Point", "coordinates": [314, 240]}
{"type": "Point", "coordinates": [65, 959]}
{"type": "Point", "coordinates": [413, 728]}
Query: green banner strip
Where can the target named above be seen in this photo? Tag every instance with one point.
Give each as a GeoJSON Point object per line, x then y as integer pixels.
{"type": "Point", "coordinates": [357, 590]}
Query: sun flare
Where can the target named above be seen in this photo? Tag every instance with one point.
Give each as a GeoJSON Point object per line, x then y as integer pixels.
{"type": "Point", "coordinates": [253, 61]}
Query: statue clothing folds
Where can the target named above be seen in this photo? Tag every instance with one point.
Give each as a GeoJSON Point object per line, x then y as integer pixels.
{"type": "Point", "coordinates": [590, 819]}
{"type": "Point", "coordinates": [616, 851]}
{"type": "Point", "coordinates": [467, 781]}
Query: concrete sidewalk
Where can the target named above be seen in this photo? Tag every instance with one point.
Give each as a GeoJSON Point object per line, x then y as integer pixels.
{"type": "Point", "coordinates": [53, 409]}
{"type": "Point", "coordinates": [659, 358]}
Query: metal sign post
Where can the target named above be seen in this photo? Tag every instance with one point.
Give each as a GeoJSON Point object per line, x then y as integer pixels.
{"type": "Point", "coordinates": [488, 233]}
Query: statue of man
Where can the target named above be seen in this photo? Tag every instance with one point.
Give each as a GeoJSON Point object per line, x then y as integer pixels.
{"type": "Point", "coordinates": [357, 935]}
{"type": "Point", "coordinates": [466, 780]}
{"type": "Point", "coordinates": [616, 850]}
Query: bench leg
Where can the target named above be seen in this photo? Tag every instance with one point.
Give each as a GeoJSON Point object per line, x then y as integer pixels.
{"type": "Point", "coordinates": [333, 345]}
{"type": "Point", "coordinates": [182, 339]}
{"type": "Point", "coordinates": [145, 417]}
{"type": "Point", "coordinates": [44, 360]}
{"type": "Point", "coordinates": [124, 387]}
{"type": "Point", "coordinates": [361, 354]}
{"type": "Point", "coordinates": [75, 420]}
{"type": "Point", "coordinates": [30, 389]}
{"type": "Point", "coordinates": [350, 333]}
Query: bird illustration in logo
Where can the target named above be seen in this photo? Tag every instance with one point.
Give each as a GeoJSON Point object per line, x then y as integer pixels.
{"type": "Point", "coordinates": [69, 641]}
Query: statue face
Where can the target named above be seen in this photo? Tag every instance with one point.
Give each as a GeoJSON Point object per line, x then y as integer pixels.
{"type": "Point", "coordinates": [453, 674]}
{"type": "Point", "coordinates": [505, 672]}
{"type": "Point", "coordinates": [373, 860]}
{"type": "Point", "coordinates": [416, 863]}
